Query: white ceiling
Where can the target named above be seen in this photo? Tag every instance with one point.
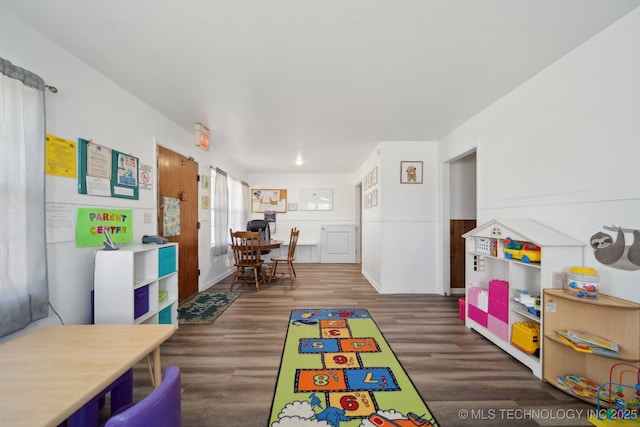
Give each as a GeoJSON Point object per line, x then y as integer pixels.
{"type": "Point", "coordinates": [326, 80]}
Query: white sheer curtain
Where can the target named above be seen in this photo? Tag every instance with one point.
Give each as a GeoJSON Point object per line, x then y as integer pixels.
{"type": "Point", "coordinates": [24, 294]}
{"type": "Point", "coordinates": [237, 210]}
{"type": "Point", "coordinates": [246, 197]}
{"type": "Point", "coordinates": [230, 209]}
{"type": "Point", "coordinates": [220, 220]}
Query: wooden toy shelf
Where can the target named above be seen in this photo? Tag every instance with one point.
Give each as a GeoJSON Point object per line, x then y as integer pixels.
{"type": "Point", "coordinates": [612, 318]}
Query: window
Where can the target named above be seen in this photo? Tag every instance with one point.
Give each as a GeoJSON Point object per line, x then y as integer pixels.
{"type": "Point", "coordinates": [230, 208]}
{"type": "Point", "coordinates": [237, 212]}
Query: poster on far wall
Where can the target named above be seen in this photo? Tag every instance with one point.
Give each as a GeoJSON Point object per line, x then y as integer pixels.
{"type": "Point", "coordinates": [171, 217]}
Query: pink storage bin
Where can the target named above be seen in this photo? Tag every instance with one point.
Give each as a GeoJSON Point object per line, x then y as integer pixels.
{"type": "Point", "coordinates": [473, 294]}
{"type": "Point", "coordinates": [499, 310]}
{"type": "Point", "coordinates": [478, 315]}
{"type": "Point", "coordinates": [498, 327]}
{"type": "Point", "coordinates": [499, 290]}
{"type": "Point", "coordinates": [461, 304]}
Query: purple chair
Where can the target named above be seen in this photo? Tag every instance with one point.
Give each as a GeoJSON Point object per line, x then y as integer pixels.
{"type": "Point", "coordinates": [161, 408]}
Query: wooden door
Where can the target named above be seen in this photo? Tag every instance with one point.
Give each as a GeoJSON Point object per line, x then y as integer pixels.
{"type": "Point", "coordinates": [178, 178]}
{"type": "Point", "coordinates": [457, 228]}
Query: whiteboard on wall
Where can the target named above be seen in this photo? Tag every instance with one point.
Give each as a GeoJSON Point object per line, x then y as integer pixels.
{"type": "Point", "coordinates": [317, 199]}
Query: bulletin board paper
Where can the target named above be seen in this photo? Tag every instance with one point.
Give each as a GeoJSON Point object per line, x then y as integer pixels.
{"type": "Point", "coordinates": [268, 200]}
{"type": "Point", "coordinates": [106, 172]}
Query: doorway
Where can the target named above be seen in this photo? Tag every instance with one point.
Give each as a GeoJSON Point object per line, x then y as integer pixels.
{"type": "Point", "coordinates": [460, 209]}
{"type": "Point", "coordinates": [178, 179]}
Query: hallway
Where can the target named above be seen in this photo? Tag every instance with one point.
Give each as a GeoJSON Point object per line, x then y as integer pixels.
{"type": "Point", "coordinates": [229, 368]}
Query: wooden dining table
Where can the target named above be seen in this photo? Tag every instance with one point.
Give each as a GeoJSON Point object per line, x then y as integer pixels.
{"type": "Point", "coordinates": [270, 244]}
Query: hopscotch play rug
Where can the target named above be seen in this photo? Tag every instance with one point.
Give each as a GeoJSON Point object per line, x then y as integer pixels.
{"type": "Point", "coordinates": [337, 370]}
{"type": "Point", "coordinates": [205, 307]}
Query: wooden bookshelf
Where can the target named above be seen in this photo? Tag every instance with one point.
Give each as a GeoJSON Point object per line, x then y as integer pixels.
{"type": "Point", "coordinates": [615, 319]}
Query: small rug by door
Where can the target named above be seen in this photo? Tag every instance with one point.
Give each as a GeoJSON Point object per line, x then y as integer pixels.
{"type": "Point", "coordinates": [337, 370]}
{"type": "Point", "coordinates": [205, 307]}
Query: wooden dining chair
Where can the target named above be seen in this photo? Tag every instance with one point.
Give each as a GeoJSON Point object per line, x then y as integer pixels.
{"type": "Point", "coordinates": [246, 256]}
{"type": "Point", "coordinates": [289, 258]}
{"type": "Point", "coordinates": [261, 226]}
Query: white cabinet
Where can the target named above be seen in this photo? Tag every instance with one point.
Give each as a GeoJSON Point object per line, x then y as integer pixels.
{"type": "Point", "coordinates": [136, 284]}
{"type": "Point", "coordinates": [494, 282]}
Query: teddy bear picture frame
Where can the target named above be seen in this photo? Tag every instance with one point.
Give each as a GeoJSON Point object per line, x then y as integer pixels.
{"type": "Point", "coordinates": [411, 172]}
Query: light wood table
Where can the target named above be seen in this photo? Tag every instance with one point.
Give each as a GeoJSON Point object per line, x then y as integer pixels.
{"type": "Point", "coordinates": [47, 375]}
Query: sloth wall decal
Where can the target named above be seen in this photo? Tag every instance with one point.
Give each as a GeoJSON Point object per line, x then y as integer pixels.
{"type": "Point", "coordinates": [614, 252]}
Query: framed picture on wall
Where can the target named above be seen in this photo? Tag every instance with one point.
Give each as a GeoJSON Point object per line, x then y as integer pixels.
{"type": "Point", "coordinates": [411, 172]}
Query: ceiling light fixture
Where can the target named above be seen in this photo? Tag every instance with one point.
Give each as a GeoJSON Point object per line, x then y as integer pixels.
{"type": "Point", "coordinates": [299, 161]}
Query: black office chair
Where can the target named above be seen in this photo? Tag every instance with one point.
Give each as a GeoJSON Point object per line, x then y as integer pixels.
{"type": "Point", "coordinates": [263, 226]}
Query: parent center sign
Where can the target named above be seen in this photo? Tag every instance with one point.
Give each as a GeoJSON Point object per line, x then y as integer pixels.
{"type": "Point", "coordinates": [92, 222]}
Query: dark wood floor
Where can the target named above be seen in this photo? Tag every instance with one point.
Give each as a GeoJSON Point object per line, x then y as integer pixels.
{"type": "Point", "coordinates": [229, 368]}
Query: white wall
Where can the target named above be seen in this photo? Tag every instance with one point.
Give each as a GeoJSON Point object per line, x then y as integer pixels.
{"type": "Point", "coordinates": [90, 106]}
{"type": "Point", "coordinates": [400, 238]}
{"type": "Point", "coordinates": [308, 222]}
{"type": "Point", "coordinates": [563, 148]}
{"type": "Point", "coordinates": [371, 223]}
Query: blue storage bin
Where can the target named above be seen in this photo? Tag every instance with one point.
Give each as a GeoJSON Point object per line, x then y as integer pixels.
{"type": "Point", "coordinates": [166, 260]}
{"type": "Point", "coordinates": [141, 301]}
{"type": "Point", "coordinates": [164, 317]}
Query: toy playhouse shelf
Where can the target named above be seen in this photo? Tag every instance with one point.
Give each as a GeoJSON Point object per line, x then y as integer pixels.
{"type": "Point", "coordinates": [137, 284]}
{"type": "Point", "coordinates": [498, 281]}
{"type": "Point", "coordinates": [612, 318]}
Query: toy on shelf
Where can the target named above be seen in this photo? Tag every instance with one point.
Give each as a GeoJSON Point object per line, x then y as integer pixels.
{"type": "Point", "coordinates": [589, 343]}
{"type": "Point", "coordinates": [526, 252]}
{"type": "Point", "coordinates": [624, 399]}
{"type": "Point", "coordinates": [583, 281]}
{"type": "Point", "coordinates": [531, 303]}
{"type": "Point", "coordinates": [486, 246]}
{"type": "Point", "coordinates": [526, 337]}
{"type": "Point", "coordinates": [584, 387]}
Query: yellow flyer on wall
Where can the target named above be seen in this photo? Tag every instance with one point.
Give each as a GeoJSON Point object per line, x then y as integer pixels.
{"type": "Point", "coordinates": [61, 156]}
